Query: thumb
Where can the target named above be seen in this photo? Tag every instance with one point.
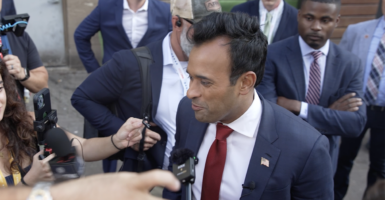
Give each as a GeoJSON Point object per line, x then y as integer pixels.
{"type": "Point", "coordinates": [150, 179]}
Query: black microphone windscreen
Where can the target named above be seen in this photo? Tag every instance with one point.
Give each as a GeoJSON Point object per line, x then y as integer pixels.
{"type": "Point", "coordinates": [180, 156]}
{"type": "Point", "coordinates": [57, 139]}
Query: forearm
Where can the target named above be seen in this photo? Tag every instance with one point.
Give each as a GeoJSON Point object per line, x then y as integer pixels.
{"type": "Point", "coordinates": [335, 122]}
{"type": "Point", "coordinates": [38, 80]}
{"type": "Point", "coordinates": [15, 193]}
{"type": "Point", "coordinates": [100, 148]}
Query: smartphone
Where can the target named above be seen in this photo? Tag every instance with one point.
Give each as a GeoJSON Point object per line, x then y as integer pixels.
{"type": "Point", "coordinates": [42, 104]}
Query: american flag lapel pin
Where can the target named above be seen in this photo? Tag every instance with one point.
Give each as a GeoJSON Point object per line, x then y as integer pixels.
{"type": "Point", "coordinates": [264, 161]}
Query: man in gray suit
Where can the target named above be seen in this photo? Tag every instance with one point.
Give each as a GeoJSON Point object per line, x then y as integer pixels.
{"type": "Point", "coordinates": [367, 41]}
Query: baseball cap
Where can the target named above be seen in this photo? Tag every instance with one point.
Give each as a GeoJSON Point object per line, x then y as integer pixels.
{"type": "Point", "coordinates": [194, 10]}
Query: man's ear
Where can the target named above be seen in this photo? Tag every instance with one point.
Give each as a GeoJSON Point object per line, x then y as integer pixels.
{"type": "Point", "coordinates": [247, 82]}
{"type": "Point", "coordinates": [176, 23]}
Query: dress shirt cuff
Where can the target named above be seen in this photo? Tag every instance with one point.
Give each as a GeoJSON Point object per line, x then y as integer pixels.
{"type": "Point", "coordinates": [303, 112]}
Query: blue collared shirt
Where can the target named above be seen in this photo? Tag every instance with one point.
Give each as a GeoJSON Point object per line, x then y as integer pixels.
{"type": "Point", "coordinates": [380, 30]}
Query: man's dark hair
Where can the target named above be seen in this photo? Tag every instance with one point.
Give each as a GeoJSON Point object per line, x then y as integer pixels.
{"type": "Point", "coordinates": [248, 45]}
{"type": "Point", "coordinates": [337, 2]}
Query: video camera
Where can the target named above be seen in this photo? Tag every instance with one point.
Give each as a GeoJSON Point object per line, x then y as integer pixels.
{"type": "Point", "coordinates": [13, 23]}
{"type": "Point", "coordinates": [45, 118]}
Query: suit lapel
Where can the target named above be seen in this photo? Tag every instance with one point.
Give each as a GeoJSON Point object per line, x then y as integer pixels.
{"type": "Point", "coordinates": [150, 21]}
{"type": "Point", "coordinates": [296, 66]}
{"type": "Point", "coordinates": [366, 38]}
{"type": "Point", "coordinates": [195, 134]}
{"type": "Point", "coordinates": [263, 148]}
{"type": "Point", "coordinates": [119, 21]}
{"type": "Point", "coordinates": [282, 24]}
{"type": "Point", "coordinates": [156, 71]}
{"type": "Point", "coordinates": [331, 71]}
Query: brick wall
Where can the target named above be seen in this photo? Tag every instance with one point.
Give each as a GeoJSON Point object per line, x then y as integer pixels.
{"type": "Point", "coordinates": [354, 11]}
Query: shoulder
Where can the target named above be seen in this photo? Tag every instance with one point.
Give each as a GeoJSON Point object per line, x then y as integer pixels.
{"type": "Point", "coordinates": [281, 46]}
{"type": "Point", "coordinates": [290, 9]}
{"type": "Point", "coordinates": [291, 128]}
{"type": "Point", "coordinates": [343, 53]}
{"type": "Point", "coordinates": [359, 27]}
{"type": "Point", "coordinates": [164, 7]}
{"type": "Point", "coordinates": [243, 7]}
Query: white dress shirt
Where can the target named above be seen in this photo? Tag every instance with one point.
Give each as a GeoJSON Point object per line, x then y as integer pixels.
{"type": "Point", "coordinates": [276, 18]}
{"type": "Point", "coordinates": [135, 23]}
{"type": "Point", "coordinates": [240, 145]}
{"type": "Point", "coordinates": [171, 93]}
{"type": "Point", "coordinates": [307, 60]}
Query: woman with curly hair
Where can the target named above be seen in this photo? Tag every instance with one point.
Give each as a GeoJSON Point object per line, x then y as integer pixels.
{"type": "Point", "coordinates": [17, 139]}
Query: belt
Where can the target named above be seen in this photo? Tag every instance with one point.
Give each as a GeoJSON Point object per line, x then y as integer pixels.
{"type": "Point", "coordinates": [376, 108]}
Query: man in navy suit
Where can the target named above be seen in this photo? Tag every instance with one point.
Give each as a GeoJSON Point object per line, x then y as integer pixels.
{"type": "Point", "coordinates": [248, 147]}
{"type": "Point", "coordinates": [367, 41]}
{"type": "Point", "coordinates": [277, 18]}
{"type": "Point", "coordinates": [119, 82]}
{"type": "Point", "coordinates": [313, 78]}
{"type": "Point", "coordinates": [123, 24]}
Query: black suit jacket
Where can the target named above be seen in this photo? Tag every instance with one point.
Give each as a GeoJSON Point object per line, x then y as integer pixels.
{"type": "Point", "coordinates": [119, 81]}
{"type": "Point", "coordinates": [288, 25]}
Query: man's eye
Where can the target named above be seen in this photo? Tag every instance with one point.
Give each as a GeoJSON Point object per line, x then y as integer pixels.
{"type": "Point", "coordinates": [205, 83]}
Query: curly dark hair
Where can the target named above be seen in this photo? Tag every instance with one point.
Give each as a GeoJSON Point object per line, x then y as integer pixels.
{"type": "Point", "coordinates": [248, 45]}
{"type": "Point", "coordinates": [16, 126]}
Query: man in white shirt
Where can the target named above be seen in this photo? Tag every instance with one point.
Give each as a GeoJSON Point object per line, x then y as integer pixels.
{"type": "Point", "coordinates": [119, 82]}
{"type": "Point", "coordinates": [247, 147]}
{"type": "Point", "coordinates": [277, 18]}
{"type": "Point", "coordinates": [315, 79]}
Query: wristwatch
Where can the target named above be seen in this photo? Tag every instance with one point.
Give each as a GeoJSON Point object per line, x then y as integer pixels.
{"type": "Point", "coordinates": [26, 75]}
{"type": "Point", "coordinates": [41, 191]}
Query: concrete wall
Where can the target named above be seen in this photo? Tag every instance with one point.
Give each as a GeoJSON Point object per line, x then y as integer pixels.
{"type": "Point", "coordinates": [45, 28]}
{"type": "Point", "coordinates": [74, 13]}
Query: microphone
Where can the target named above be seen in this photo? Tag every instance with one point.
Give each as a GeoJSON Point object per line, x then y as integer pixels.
{"type": "Point", "coordinates": [65, 165]}
{"type": "Point", "coordinates": [250, 186]}
{"type": "Point", "coordinates": [184, 168]}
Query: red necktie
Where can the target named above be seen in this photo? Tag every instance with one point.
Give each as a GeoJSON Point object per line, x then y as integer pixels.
{"type": "Point", "coordinates": [215, 163]}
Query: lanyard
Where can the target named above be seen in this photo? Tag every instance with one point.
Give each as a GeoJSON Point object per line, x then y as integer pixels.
{"type": "Point", "coordinates": [16, 177]}
{"type": "Point", "coordinates": [183, 76]}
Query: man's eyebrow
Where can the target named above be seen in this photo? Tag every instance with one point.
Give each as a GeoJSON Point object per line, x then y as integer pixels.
{"type": "Point", "coordinates": [203, 77]}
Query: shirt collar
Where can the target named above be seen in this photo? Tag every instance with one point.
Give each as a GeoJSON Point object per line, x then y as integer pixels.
{"type": "Point", "coordinates": [248, 123]}
{"type": "Point", "coordinates": [143, 8]}
{"type": "Point", "coordinates": [306, 49]}
{"type": "Point", "coordinates": [166, 47]}
{"type": "Point", "coordinates": [263, 11]}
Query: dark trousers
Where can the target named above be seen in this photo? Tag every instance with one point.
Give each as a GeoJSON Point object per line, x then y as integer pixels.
{"type": "Point", "coordinates": [349, 149]}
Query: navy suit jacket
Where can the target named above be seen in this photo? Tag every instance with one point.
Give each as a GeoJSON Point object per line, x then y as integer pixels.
{"type": "Point", "coordinates": [107, 18]}
{"type": "Point", "coordinates": [288, 25]}
{"type": "Point", "coordinates": [299, 162]}
{"type": "Point", "coordinates": [119, 81]}
{"type": "Point", "coordinates": [284, 76]}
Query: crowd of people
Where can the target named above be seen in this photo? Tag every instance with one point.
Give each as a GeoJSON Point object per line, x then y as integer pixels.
{"type": "Point", "coordinates": [260, 95]}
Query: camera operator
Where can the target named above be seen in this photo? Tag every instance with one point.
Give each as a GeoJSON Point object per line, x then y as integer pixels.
{"type": "Point", "coordinates": [23, 62]}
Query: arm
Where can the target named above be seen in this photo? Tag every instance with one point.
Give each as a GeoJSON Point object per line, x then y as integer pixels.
{"type": "Point", "coordinates": [101, 88]}
{"type": "Point", "coordinates": [128, 135]}
{"type": "Point", "coordinates": [336, 122]}
{"type": "Point", "coordinates": [316, 178]}
{"type": "Point", "coordinates": [89, 26]}
{"type": "Point", "coordinates": [119, 187]}
{"type": "Point", "coordinates": [267, 86]}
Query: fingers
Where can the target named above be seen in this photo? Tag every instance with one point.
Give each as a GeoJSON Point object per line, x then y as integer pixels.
{"type": "Point", "coordinates": [153, 135]}
{"type": "Point", "coordinates": [36, 156]}
{"type": "Point", "coordinates": [346, 96]}
{"type": "Point", "coordinates": [150, 179]}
